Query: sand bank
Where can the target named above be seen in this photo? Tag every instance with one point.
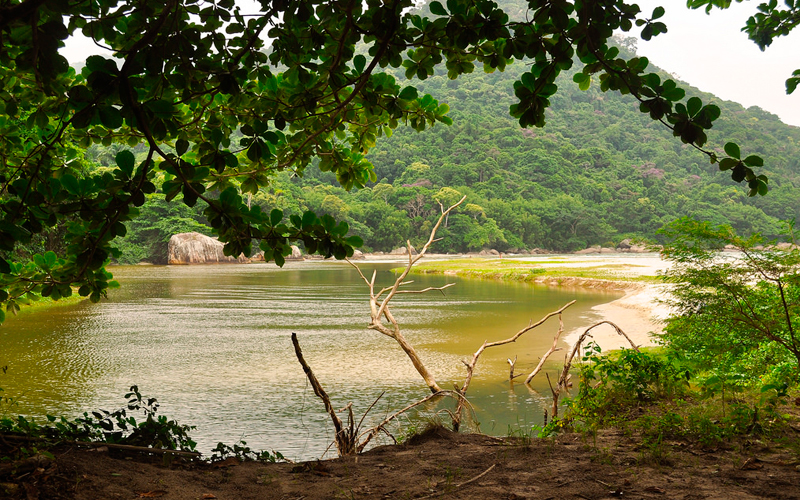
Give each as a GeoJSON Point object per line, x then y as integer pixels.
{"type": "Point", "coordinates": [638, 313]}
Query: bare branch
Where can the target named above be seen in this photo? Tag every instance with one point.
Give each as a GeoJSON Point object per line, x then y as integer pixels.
{"type": "Point", "coordinates": [450, 490]}
{"type": "Point", "coordinates": [341, 439]}
{"type": "Point", "coordinates": [430, 288]}
{"type": "Point", "coordinates": [550, 351]}
{"type": "Point", "coordinates": [375, 430]}
{"type": "Point", "coordinates": [486, 345]}
{"type": "Point", "coordinates": [413, 260]}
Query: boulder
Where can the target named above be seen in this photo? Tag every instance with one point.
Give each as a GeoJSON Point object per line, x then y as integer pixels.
{"type": "Point", "coordinates": [607, 250]}
{"type": "Point", "coordinates": [590, 250]}
{"type": "Point", "coordinates": [624, 244]}
{"type": "Point", "coordinates": [196, 248]}
{"type": "Point", "coordinates": [357, 255]}
{"type": "Point", "coordinates": [296, 254]}
{"type": "Point", "coordinates": [403, 251]}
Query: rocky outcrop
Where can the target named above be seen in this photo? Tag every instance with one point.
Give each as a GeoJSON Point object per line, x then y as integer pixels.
{"type": "Point", "coordinates": [403, 251]}
{"type": "Point", "coordinates": [196, 248]}
{"type": "Point", "coordinates": [296, 254]}
{"type": "Point", "coordinates": [590, 250]}
{"type": "Point", "coordinates": [627, 245]}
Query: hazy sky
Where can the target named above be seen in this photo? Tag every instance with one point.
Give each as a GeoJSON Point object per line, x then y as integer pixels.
{"type": "Point", "coordinates": [710, 52]}
{"type": "Point", "coordinates": [707, 51]}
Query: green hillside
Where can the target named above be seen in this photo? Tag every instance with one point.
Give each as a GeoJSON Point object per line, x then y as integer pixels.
{"type": "Point", "coordinates": [598, 172]}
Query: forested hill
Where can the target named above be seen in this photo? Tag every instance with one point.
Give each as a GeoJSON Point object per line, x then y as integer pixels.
{"type": "Point", "coordinates": [598, 172]}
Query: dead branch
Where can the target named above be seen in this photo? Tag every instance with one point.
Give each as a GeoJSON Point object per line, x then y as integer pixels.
{"type": "Point", "coordinates": [563, 379]}
{"type": "Point", "coordinates": [344, 439]}
{"type": "Point", "coordinates": [379, 305]}
{"type": "Point", "coordinates": [511, 365]}
{"type": "Point", "coordinates": [471, 365]}
{"type": "Point", "coordinates": [486, 345]}
{"type": "Point", "coordinates": [434, 495]}
{"type": "Point", "coordinates": [371, 433]}
{"type": "Point", "coordinates": [429, 289]}
{"type": "Point", "coordinates": [550, 351]}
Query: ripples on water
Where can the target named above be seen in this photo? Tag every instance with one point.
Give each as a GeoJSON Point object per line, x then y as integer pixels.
{"type": "Point", "coordinates": [212, 343]}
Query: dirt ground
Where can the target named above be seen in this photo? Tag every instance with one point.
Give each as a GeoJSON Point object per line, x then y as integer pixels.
{"type": "Point", "coordinates": [438, 464]}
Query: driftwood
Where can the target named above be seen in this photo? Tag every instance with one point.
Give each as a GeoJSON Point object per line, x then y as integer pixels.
{"type": "Point", "coordinates": [552, 349]}
{"type": "Point", "coordinates": [345, 436]}
{"type": "Point", "coordinates": [472, 480]}
{"type": "Point", "coordinates": [511, 365]}
{"type": "Point", "coordinates": [379, 308]}
{"type": "Point", "coordinates": [381, 427]}
{"type": "Point", "coordinates": [471, 364]}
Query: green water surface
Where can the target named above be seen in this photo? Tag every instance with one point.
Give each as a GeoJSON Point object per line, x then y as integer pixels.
{"type": "Point", "coordinates": [212, 343]}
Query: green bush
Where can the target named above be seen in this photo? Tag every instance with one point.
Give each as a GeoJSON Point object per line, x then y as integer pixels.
{"type": "Point", "coordinates": [736, 312]}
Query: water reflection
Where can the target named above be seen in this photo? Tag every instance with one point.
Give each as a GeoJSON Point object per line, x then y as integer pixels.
{"type": "Point", "coordinates": [212, 343]}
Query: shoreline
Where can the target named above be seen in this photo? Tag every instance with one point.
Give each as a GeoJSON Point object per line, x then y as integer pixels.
{"type": "Point", "coordinates": [637, 312]}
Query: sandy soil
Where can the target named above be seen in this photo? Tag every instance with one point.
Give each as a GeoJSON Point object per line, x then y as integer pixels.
{"type": "Point", "coordinates": [439, 464]}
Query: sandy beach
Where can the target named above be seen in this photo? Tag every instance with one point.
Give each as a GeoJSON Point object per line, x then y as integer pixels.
{"type": "Point", "coordinates": [638, 313]}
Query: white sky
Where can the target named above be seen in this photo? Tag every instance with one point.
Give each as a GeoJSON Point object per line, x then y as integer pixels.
{"type": "Point", "coordinates": [709, 52]}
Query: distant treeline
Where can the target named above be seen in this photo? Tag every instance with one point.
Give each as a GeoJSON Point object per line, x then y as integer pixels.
{"type": "Point", "coordinates": [599, 172]}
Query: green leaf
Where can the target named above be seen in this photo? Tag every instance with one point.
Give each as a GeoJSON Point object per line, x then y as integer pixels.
{"type": "Point", "coordinates": [657, 13]}
{"type": "Point", "coordinates": [359, 62]}
{"type": "Point", "coordinates": [728, 163]}
{"type": "Point", "coordinates": [437, 9]}
{"type": "Point", "coordinates": [181, 146]}
{"type": "Point", "coordinates": [732, 150]}
{"type": "Point", "coordinates": [125, 161]}
{"type": "Point", "coordinates": [693, 105]}
{"type": "Point", "coordinates": [110, 117]}
{"type": "Point", "coordinates": [355, 241]}
{"type": "Point", "coordinates": [309, 219]}
{"type": "Point", "coordinates": [754, 161]}
{"type": "Point", "coordinates": [408, 93]}
{"type": "Point", "coordinates": [275, 216]}
{"type": "Point", "coordinates": [70, 183]}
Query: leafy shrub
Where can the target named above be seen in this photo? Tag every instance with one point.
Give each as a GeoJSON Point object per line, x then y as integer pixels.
{"type": "Point", "coordinates": [119, 427]}
{"type": "Point", "coordinates": [612, 384]}
{"type": "Point", "coordinates": [738, 313]}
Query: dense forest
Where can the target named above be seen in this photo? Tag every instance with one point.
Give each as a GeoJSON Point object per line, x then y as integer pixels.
{"type": "Point", "coordinates": [600, 171]}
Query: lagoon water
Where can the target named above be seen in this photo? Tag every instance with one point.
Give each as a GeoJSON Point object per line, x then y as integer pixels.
{"type": "Point", "coordinates": [212, 343]}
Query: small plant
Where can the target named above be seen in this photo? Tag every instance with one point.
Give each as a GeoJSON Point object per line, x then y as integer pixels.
{"type": "Point", "coordinates": [118, 427]}
{"type": "Point", "coordinates": [243, 452]}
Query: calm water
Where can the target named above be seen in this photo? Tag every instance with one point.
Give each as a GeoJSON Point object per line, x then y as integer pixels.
{"type": "Point", "coordinates": [212, 343]}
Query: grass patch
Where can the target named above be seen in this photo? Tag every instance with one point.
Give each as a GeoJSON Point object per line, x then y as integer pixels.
{"type": "Point", "coordinates": [529, 271]}
{"type": "Point", "coordinates": [46, 304]}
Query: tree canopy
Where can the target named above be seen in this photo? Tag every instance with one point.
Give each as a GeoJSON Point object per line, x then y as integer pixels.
{"type": "Point", "coordinates": [298, 84]}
